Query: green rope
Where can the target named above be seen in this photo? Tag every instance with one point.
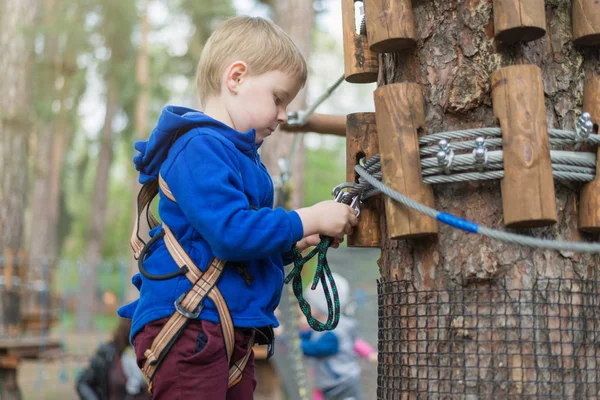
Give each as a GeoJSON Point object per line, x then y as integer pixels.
{"type": "Point", "coordinates": [323, 274]}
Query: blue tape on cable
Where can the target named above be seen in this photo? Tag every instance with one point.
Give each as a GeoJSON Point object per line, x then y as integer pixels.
{"type": "Point", "coordinates": [458, 222]}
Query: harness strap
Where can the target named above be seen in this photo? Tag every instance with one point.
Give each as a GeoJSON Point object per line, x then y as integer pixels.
{"type": "Point", "coordinates": [144, 198]}
{"type": "Point", "coordinates": [189, 305]}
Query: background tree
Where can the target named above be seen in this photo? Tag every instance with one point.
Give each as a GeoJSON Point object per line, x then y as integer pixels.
{"type": "Point", "coordinates": [59, 85]}
{"type": "Point", "coordinates": [17, 19]}
{"type": "Point", "coordinates": [455, 56]}
{"type": "Point", "coordinates": [297, 18]}
{"type": "Point", "coordinates": [117, 22]}
{"type": "Point", "coordinates": [16, 44]}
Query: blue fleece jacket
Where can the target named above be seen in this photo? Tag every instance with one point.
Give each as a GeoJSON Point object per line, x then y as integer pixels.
{"type": "Point", "coordinates": [224, 209]}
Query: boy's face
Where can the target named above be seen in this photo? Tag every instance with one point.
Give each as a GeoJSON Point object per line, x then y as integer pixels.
{"type": "Point", "coordinates": [260, 102]}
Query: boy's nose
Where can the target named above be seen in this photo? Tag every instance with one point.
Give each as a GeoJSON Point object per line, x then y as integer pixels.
{"type": "Point", "coordinates": [282, 117]}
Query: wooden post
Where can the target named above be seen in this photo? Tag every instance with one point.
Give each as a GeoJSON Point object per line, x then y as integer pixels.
{"type": "Point", "coordinates": [360, 64]}
{"type": "Point", "coordinates": [586, 22]}
{"type": "Point", "coordinates": [519, 20]}
{"type": "Point", "coordinates": [589, 201]}
{"type": "Point", "coordinates": [362, 141]}
{"type": "Point", "coordinates": [528, 196]}
{"type": "Point", "coordinates": [390, 25]}
{"type": "Point", "coordinates": [400, 117]}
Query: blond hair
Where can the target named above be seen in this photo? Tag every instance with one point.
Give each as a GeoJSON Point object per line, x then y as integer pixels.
{"type": "Point", "coordinates": [261, 44]}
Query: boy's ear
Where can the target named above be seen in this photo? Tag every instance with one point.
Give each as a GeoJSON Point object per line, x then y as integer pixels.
{"type": "Point", "coordinates": [236, 72]}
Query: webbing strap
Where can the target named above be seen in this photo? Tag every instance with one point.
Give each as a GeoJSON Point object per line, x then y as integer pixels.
{"type": "Point", "coordinates": [144, 198]}
{"type": "Point", "coordinates": [188, 306]}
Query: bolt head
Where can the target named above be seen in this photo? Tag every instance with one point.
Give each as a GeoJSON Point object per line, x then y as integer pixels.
{"type": "Point", "coordinates": [588, 127]}
{"type": "Point", "coordinates": [443, 143]}
{"type": "Point", "coordinates": [586, 116]}
{"type": "Point", "coordinates": [479, 153]}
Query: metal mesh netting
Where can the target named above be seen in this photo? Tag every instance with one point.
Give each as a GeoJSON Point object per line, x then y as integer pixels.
{"type": "Point", "coordinates": [487, 341]}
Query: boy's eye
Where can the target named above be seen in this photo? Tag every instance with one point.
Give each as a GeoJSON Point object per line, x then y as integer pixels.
{"type": "Point", "coordinates": [278, 100]}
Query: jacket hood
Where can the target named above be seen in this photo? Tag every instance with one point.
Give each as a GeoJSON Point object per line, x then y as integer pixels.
{"type": "Point", "coordinates": [153, 152]}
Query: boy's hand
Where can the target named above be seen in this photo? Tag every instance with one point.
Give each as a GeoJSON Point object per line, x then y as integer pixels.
{"type": "Point", "coordinates": [308, 241]}
{"type": "Point", "coordinates": [335, 219]}
{"type": "Point", "coordinates": [337, 241]}
{"type": "Point", "coordinates": [313, 240]}
{"type": "Point", "coordinates": [328, 218]}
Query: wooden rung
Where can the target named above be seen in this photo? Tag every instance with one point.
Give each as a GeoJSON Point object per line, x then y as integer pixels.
{"type": "Point", "coordinates": [519, 20]}
{"type": "Point", "coordinates": [589, 200]}
{"type": "Point", "coordinates": [390, 25]}
{"type": "Point", "coordinates": [400, 117]}
{"type": "Point", "coordinates": [362, 141]}
{"type": "Point", "coordinates": [360, 64]}
{"type": "Point", "coordinates": [586, 22]}
{"type": "Point", "coordinates": [528, 197]}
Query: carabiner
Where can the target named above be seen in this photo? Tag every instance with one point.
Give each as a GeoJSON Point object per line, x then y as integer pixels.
{"type": "Point", "coordinates": [339, 197]}
{"type": "Point", "coordinates": [336, 190]}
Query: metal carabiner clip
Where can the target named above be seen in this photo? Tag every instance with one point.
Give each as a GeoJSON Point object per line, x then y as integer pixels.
{"type": "Point", "coordinates": [355, 203]}
{"type": "Point", "coordinates": [338, 189]}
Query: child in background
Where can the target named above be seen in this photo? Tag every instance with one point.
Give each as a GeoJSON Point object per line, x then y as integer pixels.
{"type": "Point", "coordinates": [333, 354]}
{"type": "Point", "coordinates": [109, 375]}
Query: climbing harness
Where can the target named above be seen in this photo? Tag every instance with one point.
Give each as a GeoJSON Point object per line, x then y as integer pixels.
{"type": "Point", "coordinates": [189, 305]}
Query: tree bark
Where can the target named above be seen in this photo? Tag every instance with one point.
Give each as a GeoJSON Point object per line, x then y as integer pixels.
{"type": "Point", "coordinates": [97, 224]}
{"type": "Point", "coordinates": [454, 59]}
{"type": "Point", "coordinates": [296, 17]}
{"type": "Point", "coordinates": [16, 46]}
{"type": "Point", "coordinates": [42, 230]}
{"type": "Point", "coordinates": [141, 128]}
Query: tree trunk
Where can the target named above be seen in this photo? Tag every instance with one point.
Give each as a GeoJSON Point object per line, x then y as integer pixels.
{"type": "Point", "coordinates": [97, 224]}
{"type": "Point", "coordinates": [460, 314]}
{"type": "Point", "coordinates": [296, 17]}
{"type": "Point", "coordinates": [42, 228]}
{"type": "Point", "coordinates": [16, 46]}
{"type": "Point", "coordinates": [141, 128]}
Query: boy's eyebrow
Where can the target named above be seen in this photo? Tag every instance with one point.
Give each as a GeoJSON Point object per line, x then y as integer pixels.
{"type": "Point", "coordinates": [282, 93]}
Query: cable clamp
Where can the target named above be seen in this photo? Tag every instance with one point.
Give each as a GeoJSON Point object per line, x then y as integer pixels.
{"type": "Point", "coordinates": [480, 153]}
{"type": "Point", "coordinates": [583, 129]}
{"type": "Point", "coordinates": [445, 156]}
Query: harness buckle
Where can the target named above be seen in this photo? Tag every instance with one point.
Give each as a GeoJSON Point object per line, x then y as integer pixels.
{"type": "Point", "coordinates": [181, 310]}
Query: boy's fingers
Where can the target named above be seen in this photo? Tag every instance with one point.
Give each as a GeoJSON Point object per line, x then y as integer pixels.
{"type": "Point", "coordinates": [348, 229]}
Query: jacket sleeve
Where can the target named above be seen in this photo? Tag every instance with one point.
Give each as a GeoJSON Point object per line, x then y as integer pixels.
{"type": "Point", "coordinates": [287, 257]}
{"type": "Point", "coordinates": [208, 187]}
{"type": "Point", "coordinates": [324, 346]}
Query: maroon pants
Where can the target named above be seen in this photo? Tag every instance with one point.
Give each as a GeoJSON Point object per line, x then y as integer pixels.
{"type": "Point", "coordinates": [196, 366]}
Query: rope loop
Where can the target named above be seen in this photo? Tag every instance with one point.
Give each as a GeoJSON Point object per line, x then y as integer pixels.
{"type": "Point", "coordinates": [323, 275]}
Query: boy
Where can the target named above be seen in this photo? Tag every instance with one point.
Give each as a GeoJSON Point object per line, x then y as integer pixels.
{"type": "Point", "coordinates": [216, 203]}
{"type": "Point", "coordinates": [333, 354]}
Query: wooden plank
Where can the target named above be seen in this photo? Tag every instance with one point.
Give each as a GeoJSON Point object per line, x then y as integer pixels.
{"type": "Point", "coordinates": [589, 200]}
{"type": "Point", "coordinates": [519, 20]}
{"type": "Point", "coordinates": [586, 22]}
{"type": "Point", "coordinates": [362, 141]}
{"type": "Point", "coordinates": [360, 64]}
{"type": "Point", "coordinates": [400, 116]}
{"type": "Point", "coordinates": [390, 25]}
{"type": "Point", "coordinates": [28, 347]}
{"type": "Point", "coordinates": [528, 196]}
